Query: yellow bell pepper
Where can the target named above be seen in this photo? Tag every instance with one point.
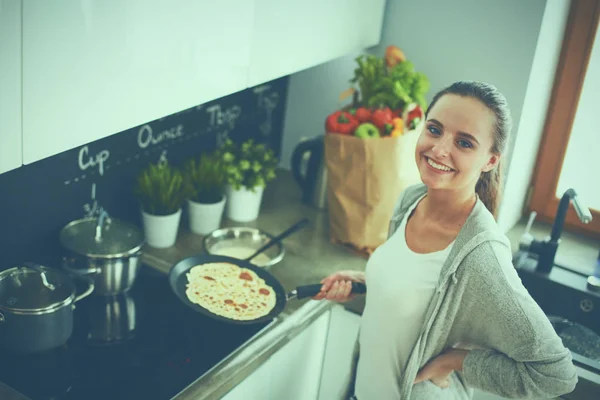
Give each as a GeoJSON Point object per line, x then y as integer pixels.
{"type": "Point", "coordinates": [398, 127]}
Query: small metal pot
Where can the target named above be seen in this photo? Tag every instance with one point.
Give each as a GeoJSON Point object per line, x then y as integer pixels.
{"type": "Point", "coordinates": [105, 249]}
{"type": "Point", "coordinates": [245, 241]}
{"type": "Point", "coordinates": [36, 308]}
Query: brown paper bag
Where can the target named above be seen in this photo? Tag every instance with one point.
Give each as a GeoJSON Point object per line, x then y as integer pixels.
{"type": "Point", "coordinates": [364, 179]}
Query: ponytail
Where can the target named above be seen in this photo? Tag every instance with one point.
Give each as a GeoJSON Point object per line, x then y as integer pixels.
{"type": "Point", "coordinates": [489, 188]}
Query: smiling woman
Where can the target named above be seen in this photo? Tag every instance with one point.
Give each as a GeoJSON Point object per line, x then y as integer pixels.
{"type": "Point", "coordinates": [465, 136]}
{"type": "Point", "coordinates": [445, 310]}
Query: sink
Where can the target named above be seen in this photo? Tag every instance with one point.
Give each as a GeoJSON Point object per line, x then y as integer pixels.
{"type": "Point", "coordinates": [573, 309]}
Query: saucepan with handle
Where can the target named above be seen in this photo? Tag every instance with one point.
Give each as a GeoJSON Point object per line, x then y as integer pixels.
{"type": "Point", "coordinates": [36, 307]}
{"type": "Point", "coordinates": [178, 279]}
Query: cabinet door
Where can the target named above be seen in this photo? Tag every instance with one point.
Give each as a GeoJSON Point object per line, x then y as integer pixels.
{"type": "Point", "coordinates": [95, 68]}
{"type": "Point", "coordinates": [341, 337]}
{"type": "Point", "coordinates": [292, 373]}
{"type": "Point", "coordinates": [293, 35]}
{"type": "Point", "coordinates": [10, 85]}
{"type": "Point", "coordinates": [298, 365]}
{"type": "Point", "coordinates": [254, 387]}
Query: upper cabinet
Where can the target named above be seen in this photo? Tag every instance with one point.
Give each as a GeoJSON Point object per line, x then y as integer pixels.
{"type": "Point", "coordinates": [10, 85]}
{"type": "Point", "coordinates": [95, 68]}
{"type": "Point", "coordinates": [290, 36]}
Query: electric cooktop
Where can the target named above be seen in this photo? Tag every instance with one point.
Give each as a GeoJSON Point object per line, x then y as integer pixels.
{"type": "Point", "coordinates": [144, 344]}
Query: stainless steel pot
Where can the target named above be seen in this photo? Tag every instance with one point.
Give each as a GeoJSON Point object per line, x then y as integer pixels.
{"type": "Point", "coordinates": [36, 308]}
{"type": "Point", "coordinates": [104, 248]}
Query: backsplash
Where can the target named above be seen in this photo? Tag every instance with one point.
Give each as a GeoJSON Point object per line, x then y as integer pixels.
{"type": "Point", "coordinates": [37, 200]}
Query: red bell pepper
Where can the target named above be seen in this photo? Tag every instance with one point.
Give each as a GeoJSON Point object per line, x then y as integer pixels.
{"type": "Point", "coordinates": [362, 114]}
{"type": "Point", "coordinates": [381, 117]}
{"type": "Point", "coordinates": [341, 122]}
{"type": "Point", "coordinates": [414, 117]}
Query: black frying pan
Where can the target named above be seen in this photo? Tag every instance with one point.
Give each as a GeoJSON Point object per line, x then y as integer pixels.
{"type": "Point", "coordinates": [178, 279]}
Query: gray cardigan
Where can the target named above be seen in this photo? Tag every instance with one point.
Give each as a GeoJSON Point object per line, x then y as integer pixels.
{"type": "Point", "coordinates": [480, 300]}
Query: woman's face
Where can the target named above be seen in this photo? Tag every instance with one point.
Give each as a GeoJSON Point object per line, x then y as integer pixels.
{"type": "Point", "coordinates": [455, 144]}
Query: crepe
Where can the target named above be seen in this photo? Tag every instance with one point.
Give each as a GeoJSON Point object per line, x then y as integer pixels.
{"type": "Point", "coordinates": [230, 291]}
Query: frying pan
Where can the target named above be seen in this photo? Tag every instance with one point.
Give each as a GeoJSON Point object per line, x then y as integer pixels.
{"type": "Point", "coordinates": [178, 280]}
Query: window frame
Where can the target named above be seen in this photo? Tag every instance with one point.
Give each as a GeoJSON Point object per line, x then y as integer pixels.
{"type": "Point", "coordinates": [580, 31]}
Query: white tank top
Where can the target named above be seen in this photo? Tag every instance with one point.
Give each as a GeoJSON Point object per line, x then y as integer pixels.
{"type": "Point", "coordinates": [400, 286]}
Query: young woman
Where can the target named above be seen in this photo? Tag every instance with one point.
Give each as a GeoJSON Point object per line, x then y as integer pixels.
{"type": "Point", "coordinates": [445, 309]}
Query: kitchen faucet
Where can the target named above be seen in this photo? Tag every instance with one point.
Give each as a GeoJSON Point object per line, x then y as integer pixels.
{"type": "Point", "coordinates": [546, 249]}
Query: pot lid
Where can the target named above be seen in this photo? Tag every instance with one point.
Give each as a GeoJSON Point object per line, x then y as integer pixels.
{"type": "Point", "coordinates": [117, 238]}
{"type": "Point", "coordinates": [27, 290]}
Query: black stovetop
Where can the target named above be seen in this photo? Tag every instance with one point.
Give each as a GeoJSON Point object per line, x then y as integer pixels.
{"type": "Point", "coordinates": [142, 345]}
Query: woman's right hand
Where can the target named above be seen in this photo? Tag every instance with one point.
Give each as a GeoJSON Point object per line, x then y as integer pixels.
{"type": "Point", "coordinates": [337, 286]}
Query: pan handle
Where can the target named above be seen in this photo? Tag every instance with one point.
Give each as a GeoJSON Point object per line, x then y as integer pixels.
{"type": "Point", "coordinates": [303, 292]}
{"type": "Point", "coordinates": [297, 226]}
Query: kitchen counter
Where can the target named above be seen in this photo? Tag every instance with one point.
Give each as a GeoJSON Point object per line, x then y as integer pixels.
{"type": "Point", "coordinates": [309, 257]}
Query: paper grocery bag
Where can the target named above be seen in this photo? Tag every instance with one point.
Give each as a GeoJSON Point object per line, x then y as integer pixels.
{"type": "Point", "coordinates": [365, 178]}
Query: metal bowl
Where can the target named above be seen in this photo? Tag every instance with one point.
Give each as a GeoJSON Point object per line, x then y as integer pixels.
{"type": "Point", "coordinates": [242, 242]}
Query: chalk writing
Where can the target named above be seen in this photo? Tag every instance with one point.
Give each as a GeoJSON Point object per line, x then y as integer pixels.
{"type": "Point", "coordinates": [146, 137]}
{"type": "Point", "coordinates": [91, 210]}
{"type": "Point", "coordinates": [162, 160]}
{"type": "Point", "coordinates": [222, 138]}
{"type": "Point", "coordinates": [267, 101]}
{"type": "Point", "coordinates": [218, 116]}
{"type": "Point", "coordinates": [86, 161]}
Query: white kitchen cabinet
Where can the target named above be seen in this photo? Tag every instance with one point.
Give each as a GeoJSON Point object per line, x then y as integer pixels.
{"type": "Point", "coordinates": [341, 337]}
{"type": "Point", "coordinates": [290, 36]}
{"type": "Point", "coordinates": [95, 68]}
{"type": "Point", "coordinates": [11, 155]}
{"type": "Point", "coordinates": [293, 372]}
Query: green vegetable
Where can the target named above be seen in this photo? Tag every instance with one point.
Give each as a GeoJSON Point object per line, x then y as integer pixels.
{"type": "Point", "coordinates": [394, 87]}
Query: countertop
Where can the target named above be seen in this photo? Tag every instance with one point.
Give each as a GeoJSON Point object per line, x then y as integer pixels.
{"type": "Point", "coordinates": [309, 257]}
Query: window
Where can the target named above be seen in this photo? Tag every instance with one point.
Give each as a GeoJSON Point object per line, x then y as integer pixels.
{"type": "Point", "coordinates": [570, 146]}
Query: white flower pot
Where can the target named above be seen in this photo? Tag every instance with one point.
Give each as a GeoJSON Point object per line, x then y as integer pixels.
{"type": "Point", "coordinates": [161, 230]}
{"type": "Point", "coordinates": [205, 218]}
{"type": "Point", "coordinates": [243, 205]}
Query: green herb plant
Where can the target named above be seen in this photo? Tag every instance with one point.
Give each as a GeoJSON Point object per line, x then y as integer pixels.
{"type": "Point", "coordinates": [249, 165]}
{"type": "Point", "coordinates": [394, 87]}
{"type": "Point", "coordinates": [160, 189]}
{"type": "Point", "coordinates": [205, 178]}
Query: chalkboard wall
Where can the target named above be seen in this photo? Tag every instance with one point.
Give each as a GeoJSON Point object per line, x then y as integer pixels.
{"type": "Point", "coordinates": [37, 200]}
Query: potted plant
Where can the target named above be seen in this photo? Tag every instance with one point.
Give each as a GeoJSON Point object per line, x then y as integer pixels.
{"type": "Point", "coordinates": [161, 191]}
{"type": "Point", "coordinates": [205, 179]}
{"type": "Point", "coordinates": [248, 168]}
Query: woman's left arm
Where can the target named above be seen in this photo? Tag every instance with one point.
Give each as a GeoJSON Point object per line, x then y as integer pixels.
{"type": "Point", "coordinates": [524, 357]}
